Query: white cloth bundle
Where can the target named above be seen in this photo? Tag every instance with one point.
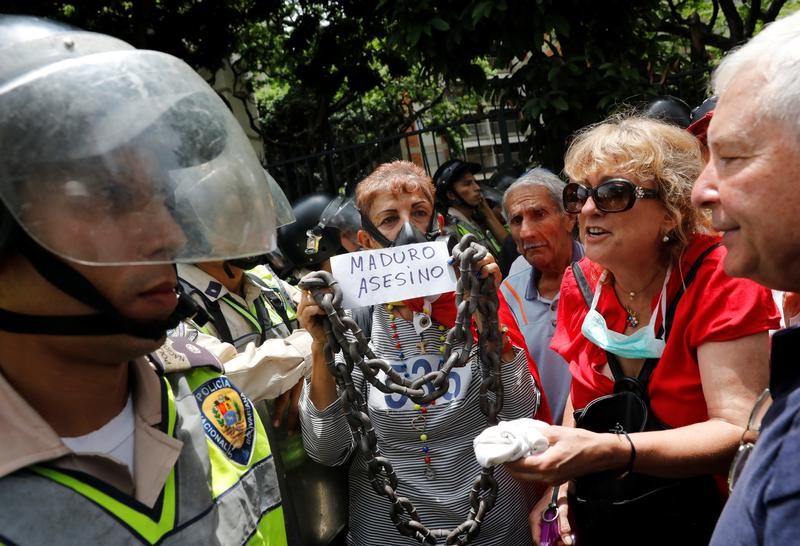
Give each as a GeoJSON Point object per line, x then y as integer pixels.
{"type": "Point", "coordinates": [509, 441]}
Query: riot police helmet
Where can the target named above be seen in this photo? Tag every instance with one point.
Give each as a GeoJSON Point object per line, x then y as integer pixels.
{"type": "Point", "coordinates": [117, 156]}
{"type": "Point", "coordinates": [309, 240]}
{"type": "Point", "coordinates": [669, 109]}
{"type": "Point", "coordinates": [448, 173]}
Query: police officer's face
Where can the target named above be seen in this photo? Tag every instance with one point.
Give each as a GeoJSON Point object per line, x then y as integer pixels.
{"type": "Point", "coordinates": [468, 190]}
{"type": "Point", "coordinates": [349, 241]}
{"type": "Point", "coordinates": [141, 293]}
{"type": "Point", "coordinates": [132, 222]}
{"type": "Point", "coordinates": [100, 214]}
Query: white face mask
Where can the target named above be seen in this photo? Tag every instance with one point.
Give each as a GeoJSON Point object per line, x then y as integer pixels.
{"type": "Point", "coordinates": [643, 343]}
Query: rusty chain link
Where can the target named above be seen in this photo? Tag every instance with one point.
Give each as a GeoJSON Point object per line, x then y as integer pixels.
{"type": "Point", "coordinates": [457, 347]}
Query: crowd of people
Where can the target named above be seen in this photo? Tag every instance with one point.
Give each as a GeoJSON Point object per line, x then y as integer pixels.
{"type": "Point", "coordinates": [166, 380]}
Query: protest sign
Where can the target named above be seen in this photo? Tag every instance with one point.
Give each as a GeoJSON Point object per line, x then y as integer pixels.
{"type": "Point", "coordinates": [378, 276]}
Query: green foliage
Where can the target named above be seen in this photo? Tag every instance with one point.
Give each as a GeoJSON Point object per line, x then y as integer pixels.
{"type": "Point", "coordinates": [337, 80]}
{"type": "Point", "coordinates": [571, 62]}
{"type": "Point", "coordinates": [328, 72]}
{"type": "Point", "coordinates": [203, 33]}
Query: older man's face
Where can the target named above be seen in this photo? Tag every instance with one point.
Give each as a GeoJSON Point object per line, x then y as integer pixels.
{"type": "Point", "coordinates": [751, 186]}
{"type": "Point", "coordinates": [542, 233]}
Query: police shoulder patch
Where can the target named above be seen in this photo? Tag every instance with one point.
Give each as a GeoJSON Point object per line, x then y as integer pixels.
{"type": "Point", "coordinates": [180, 354]}
{"type": "Point", "coordinates": [228, 418]}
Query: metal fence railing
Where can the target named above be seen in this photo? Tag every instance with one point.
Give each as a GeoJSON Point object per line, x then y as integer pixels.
{"type": "Point", "coordinates": [492, 139]}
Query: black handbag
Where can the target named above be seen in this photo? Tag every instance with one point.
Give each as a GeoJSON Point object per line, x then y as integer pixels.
{"type": "Point", "coordinates": [638, 508]}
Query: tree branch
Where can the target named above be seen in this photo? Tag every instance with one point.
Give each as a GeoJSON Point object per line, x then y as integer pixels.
{"type": "Point", "coordinates": [752, 17]}
{"type": "Point", "coordinates": [342, 103]}
{"type": "Point", "coordinates": [141, 15]}
{"type": "Point", "coordinates": [773, 10]}
{"type": "Point", "coordinates": [709, 38]}
{"type": "Point", "coordinates": [415, 114]}
{"type": "Point", "coordinates": [734, 21]}
{"type": "Point", "coordinates": [676, 15]}
{"type": "Point", "coordinates": [714, 14]}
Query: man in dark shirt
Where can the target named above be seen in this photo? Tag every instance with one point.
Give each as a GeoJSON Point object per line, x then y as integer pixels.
{"type": "Point", "coordinates": [750, 185]}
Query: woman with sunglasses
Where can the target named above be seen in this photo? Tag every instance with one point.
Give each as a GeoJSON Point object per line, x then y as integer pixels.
{"type": "Point", "coordinates": [429, 446]}
{"type": "Point", "coordinates": [651, 266]}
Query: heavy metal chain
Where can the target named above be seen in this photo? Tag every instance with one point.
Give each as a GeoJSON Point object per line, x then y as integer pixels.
{"type": "Point", "coordinates": [457, 347]}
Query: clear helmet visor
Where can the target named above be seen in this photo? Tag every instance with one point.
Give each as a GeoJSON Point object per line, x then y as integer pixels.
{"type": "Point", "coordinates": [129, 157]}
{"type": "Point", "coordinates": [341, 214]}
{"type": "Point", "coordinates": [284, 214]}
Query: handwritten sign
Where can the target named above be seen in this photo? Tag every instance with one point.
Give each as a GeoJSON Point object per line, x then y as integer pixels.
{"type": "Point", "coordinates": [370, 277]}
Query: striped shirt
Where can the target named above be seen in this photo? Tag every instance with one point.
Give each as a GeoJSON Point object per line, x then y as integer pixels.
{"type": "Point", "coordinates": [450, 424]}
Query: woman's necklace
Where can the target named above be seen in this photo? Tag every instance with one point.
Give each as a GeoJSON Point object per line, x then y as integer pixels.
{"type": "Point", "coordinates": [419, 422]}
{"type": "Point", "coordinates": [633, 316]}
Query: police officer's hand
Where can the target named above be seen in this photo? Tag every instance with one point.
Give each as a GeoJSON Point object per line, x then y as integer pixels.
{"type": "Point", "coordinates": [311, 316]}
{"type": "Point", "coordinates": [484, 207]}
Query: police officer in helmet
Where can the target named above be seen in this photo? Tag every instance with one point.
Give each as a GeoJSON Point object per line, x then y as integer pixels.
{"type": "Point", "coordinates": [324, 226]}
{"type": "Point", "coordinates": [460, 199]}
{"type": "Point", "coordinates": [117, 164]}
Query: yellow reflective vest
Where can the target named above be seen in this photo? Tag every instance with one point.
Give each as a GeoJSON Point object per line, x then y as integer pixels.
{"type": "Point", "coordinates": [223, 490]}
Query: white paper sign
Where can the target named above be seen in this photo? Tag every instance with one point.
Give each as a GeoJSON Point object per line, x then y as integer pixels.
{"type": "Point", "coordinates": [371, 277]}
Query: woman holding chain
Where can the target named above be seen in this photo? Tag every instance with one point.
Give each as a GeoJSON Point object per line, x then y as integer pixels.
{"type": "Point", "coordinates": [429, 445]}
{"type": "Point", "coordinates": [651, 264]}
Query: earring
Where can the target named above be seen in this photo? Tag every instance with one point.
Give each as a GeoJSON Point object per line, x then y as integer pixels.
{"type": "Point", "coordinates": [665, 239]}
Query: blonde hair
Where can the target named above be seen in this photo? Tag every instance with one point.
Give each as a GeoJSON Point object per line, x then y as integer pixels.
{"type": "Point", "coordinates": [645, 149]}
{"type": "Point", "coordinates": [396, 177]}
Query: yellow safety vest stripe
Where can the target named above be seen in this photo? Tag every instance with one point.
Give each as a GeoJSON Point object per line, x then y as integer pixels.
{"type": "Point", "coordinates": [149, 529]}
{"type": "Point", "coordinates": [249, 315]}
{"type": "Point", "coordinates": [271, 530]}
{"type": "Point", "coordinates": [482, 236]}
{"type": "Point", "coordinates": [252, 315]}
{"type": "Point", "coordinates": [274, 283]}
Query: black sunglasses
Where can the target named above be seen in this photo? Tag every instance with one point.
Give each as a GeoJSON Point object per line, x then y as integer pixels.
{"type": "Point", "coordinates": [615, 195]}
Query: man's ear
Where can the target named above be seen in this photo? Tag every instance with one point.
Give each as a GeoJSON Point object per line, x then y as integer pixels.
{"type": "Point", "coordinates": [452, 196]}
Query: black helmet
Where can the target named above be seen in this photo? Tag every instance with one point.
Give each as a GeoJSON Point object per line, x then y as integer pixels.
{"type": "Point", "coordinates": [449, 172]}
{"type": "Point", "coordinates": [308, 241]}
{"type": "Point", "coordinates": [670, 109]}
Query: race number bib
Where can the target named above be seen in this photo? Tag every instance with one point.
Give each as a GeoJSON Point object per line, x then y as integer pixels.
{"type": "Point", "coordinates": [418, 366]}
